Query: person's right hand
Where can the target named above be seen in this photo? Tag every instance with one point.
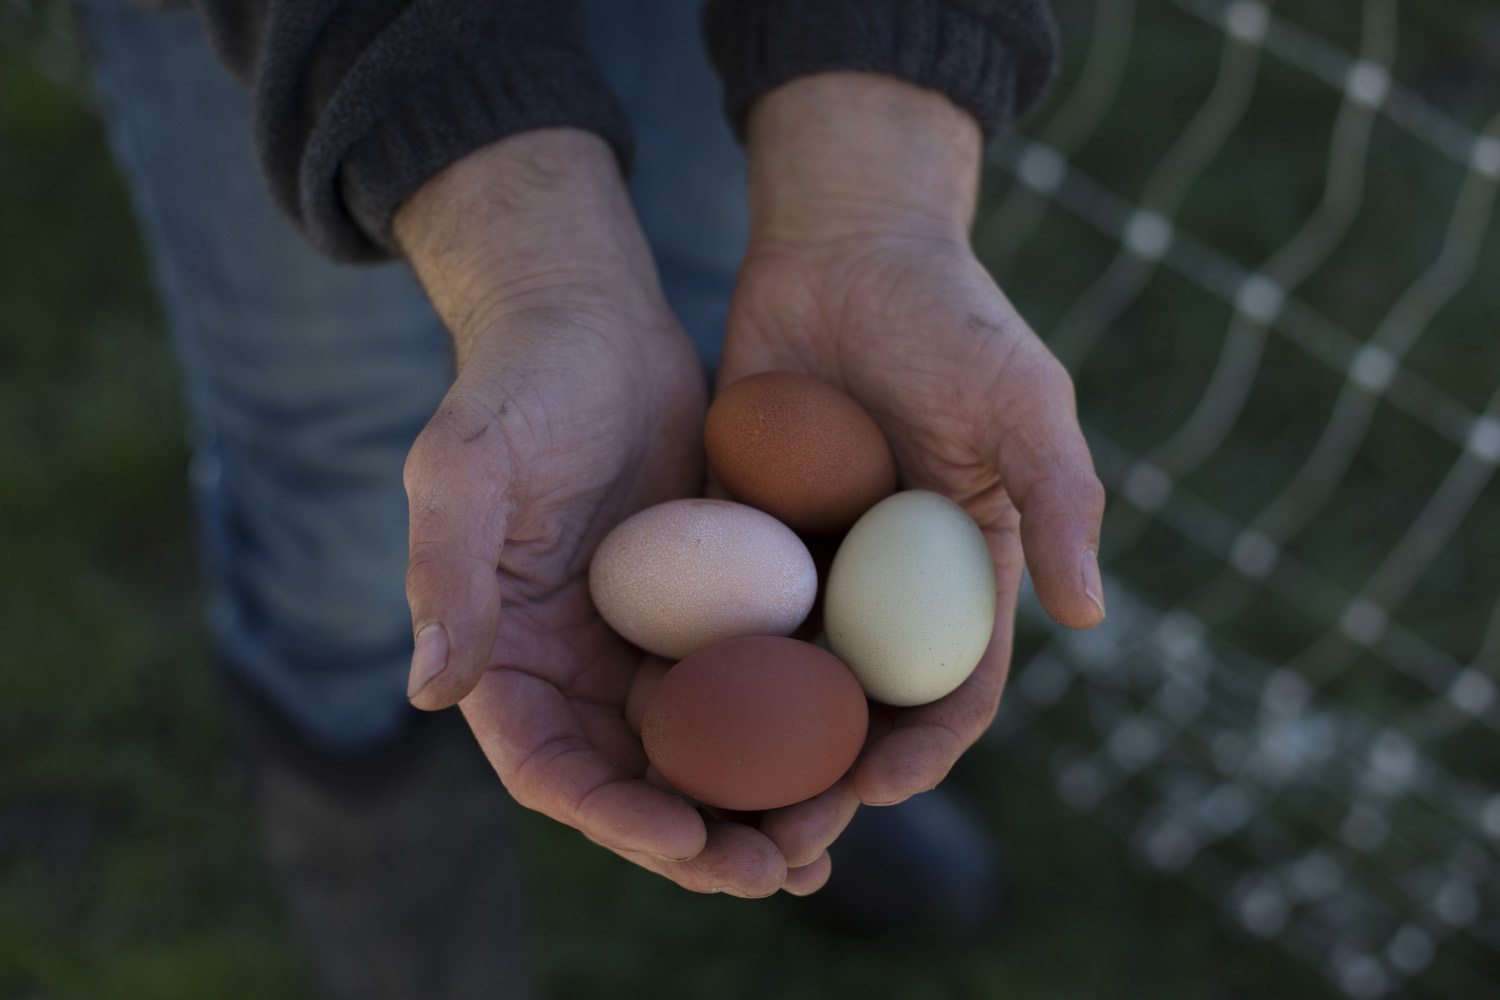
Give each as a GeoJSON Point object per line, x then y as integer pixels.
{"type": "Point", "coordinates": [578, 401]}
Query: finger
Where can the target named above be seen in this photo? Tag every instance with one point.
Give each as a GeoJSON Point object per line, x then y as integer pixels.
{"type": "Point", "coordinates": [744, 817]}
{"type": "Point", "coordinates": [923, 743]}
{"type": "Point", "coordinates": [809, 878]}
{"type": "Point", "coordinates": [804, 831]}
{"type": "Point", "coordinates": [735, 860]}
{"type": "Point", "coordinates": [913, 758]}
{"type": "Point", "coordinates": [534, 741]}
{"type": "Point", "coordinates": [458, 487]}
{"type": "Point", "coordinates": [642, 687]}
{"type": "Point", "coordinates": [1048, 472]}
{"type": "Point", "coordinates": [602, 730]}
{"type": "Point", "coordinates": [745, 354]}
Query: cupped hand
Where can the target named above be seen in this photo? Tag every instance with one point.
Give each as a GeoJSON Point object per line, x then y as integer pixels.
{"type": "Point", "coordinates": [974, 407]}
{"type": "Point", "coordinates": [578, 401]}
{"type": "Point", "coordinates": [859, 272]}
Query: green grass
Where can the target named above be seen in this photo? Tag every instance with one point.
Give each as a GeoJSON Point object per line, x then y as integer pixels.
{"type": "Point", "coordinates": [127, 864]}
{"type": "Point", "coordinates": [127, 868]}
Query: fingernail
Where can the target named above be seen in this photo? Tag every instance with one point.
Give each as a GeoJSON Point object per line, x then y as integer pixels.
{"type": "Point", "coordinates": [1093, 583]}
{"type": "Point", "coordinates": [428, 659]}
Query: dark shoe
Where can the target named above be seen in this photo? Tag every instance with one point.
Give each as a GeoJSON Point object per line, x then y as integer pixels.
{"type": "Point", "coordinates": [397, 866]}
{"type": "Point", "coordinates": [922, 871]}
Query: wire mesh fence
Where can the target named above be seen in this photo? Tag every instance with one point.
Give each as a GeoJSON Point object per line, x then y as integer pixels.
{"type": "Point", "coordinates": [1274, 271]}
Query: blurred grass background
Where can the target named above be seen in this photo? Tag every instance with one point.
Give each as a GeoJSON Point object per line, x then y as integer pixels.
{"type": "Point", "coordinates": [127, 868]}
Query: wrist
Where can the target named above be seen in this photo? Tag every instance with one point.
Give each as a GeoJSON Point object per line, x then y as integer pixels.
{"type": "Point", "coordinates": [859, 155]}
{"type": "Point", "coordinates": [538, 221]}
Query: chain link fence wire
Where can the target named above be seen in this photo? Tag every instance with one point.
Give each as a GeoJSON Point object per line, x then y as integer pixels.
{"type": "Point", "coordinates": [1274, 268]}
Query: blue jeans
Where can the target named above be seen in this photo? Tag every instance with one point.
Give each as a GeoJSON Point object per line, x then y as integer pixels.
{"type": "Point", "coordinates": [307, 381]}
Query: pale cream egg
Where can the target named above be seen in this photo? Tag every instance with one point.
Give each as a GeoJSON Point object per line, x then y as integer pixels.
{"type": "Point", "coordinates": [910, 603]}
{"type": "Point", "coordinates": [684, 574]}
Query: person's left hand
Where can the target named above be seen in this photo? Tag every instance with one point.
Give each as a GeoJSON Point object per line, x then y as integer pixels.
{"type": "Point", "coordinates": [882, 296]}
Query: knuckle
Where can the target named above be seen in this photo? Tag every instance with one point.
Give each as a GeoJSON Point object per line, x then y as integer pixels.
{"type": "Point", "coordinates": [1066, 498]}
{"type": "Point", "coordinates": [1091, 489]}
{"type": "Point", "coordinates": [984, 717]}
{"type": "Point", "coordinates": [441, 445]}
{"type": "Point", "coordinates": [1052, 379]}
{"type": "Point", "coordinates": [521, 781]}
{"type": "Point", "coordinates": [521, 793]}
{"type": "Point", "coordinates": [421, 563]}
{"type": "Point", "coordinates": [423, 461]}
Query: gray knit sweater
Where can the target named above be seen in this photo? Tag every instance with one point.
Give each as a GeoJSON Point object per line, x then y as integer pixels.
{"type": "Point", "coordinates": [357, 102]}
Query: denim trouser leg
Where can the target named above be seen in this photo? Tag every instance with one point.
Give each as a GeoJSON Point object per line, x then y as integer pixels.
{"type": "Point", "coordinates": [307, 381]}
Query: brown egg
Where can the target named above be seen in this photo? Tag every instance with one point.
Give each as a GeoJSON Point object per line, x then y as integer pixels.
{"type": "Point", "coordinates": [799, 449]}
{"type": "Point", "coordinates": [755, 723]}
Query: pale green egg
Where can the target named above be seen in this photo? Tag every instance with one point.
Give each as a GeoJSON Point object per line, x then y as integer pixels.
{"type": "Point", "coordinates": [910, 604]}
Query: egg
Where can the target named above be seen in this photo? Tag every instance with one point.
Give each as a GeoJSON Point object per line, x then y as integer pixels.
{"type": "Point", "coordinates": [687, 573]}
{"type": "Point", "coordinates": [800, 449]}
{"type": "Point", "coordinates": [755, 723]}
{"type": "Point", "coordinates": [910, 599]}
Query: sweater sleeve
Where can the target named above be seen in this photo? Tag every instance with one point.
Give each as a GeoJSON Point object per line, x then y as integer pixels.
{"type": "Point", "coordinates": [993, 58]}
{"type": "Point", "coordinates": [356, 104]}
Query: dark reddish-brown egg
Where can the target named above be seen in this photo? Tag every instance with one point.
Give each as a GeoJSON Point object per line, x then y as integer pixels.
{"type": "Point", "coordinates": [755, 723]}
{"type": "Point", "coordinates": [799, 449]}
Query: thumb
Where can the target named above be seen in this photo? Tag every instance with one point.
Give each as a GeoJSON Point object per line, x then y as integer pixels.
{"type": "Point", "coordinates": [458, 485]}
{"type": "Point", "coordinates": [1049, 474]}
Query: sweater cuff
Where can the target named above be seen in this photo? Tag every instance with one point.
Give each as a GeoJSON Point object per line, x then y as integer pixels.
{"type": "Point", "coordinates": [996, 63]}
{"type": "Point", "coordinates": [413, 105]}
